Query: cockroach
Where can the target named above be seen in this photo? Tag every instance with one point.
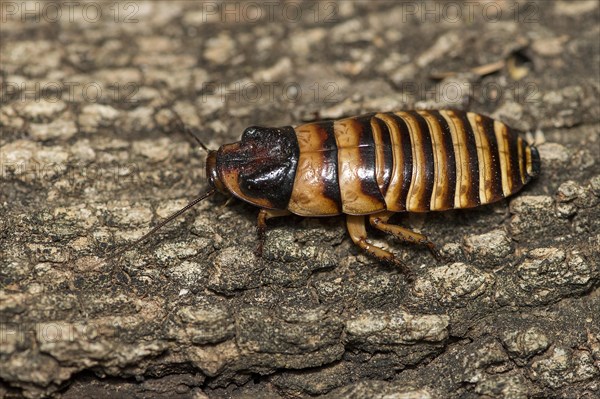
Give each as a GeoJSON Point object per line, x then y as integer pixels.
{"type": "Point", "coordinates": [369, 167]}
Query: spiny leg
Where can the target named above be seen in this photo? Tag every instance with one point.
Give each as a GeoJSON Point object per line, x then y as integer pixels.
{"type": "Point", "coordinates": [358, 233]}
{"type": "Point", "coordinates": [379, 221]}
{"type": "Point", "coordinates": [263, 216]}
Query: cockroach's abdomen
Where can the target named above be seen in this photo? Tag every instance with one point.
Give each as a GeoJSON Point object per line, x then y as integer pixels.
{"type": "Point", "coordinates": [408, 161]}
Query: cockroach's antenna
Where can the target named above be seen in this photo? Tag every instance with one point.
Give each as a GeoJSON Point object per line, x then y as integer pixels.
{"type": "Point", "coordinates": [188, 130]}
{"type": "Point", "coordinates": [170, 218]}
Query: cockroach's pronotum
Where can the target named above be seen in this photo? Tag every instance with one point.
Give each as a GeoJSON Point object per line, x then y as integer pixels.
{"type": "Point", "coordinates": [371, 166]}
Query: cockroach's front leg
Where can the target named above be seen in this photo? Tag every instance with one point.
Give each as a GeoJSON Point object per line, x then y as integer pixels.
{"type": "Point", "coordinates": [379, 221]}
{"type": "Point", "coordinates": [358, 233]}
{"type": "Point", "coordinates": [263, 216]}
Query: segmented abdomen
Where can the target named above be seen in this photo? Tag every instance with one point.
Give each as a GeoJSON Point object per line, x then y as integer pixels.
{"type": "Point", "coordinates": [414, 161]}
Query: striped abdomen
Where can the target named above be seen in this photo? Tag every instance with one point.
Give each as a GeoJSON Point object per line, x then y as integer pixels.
{"type": "Point", "coordinates": [414, 161]}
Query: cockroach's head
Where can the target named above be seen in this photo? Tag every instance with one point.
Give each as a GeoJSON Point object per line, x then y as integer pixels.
{"type": "Point", "coordinates": [211, 172]}
{"type": "Point", "coordinates": [259, 169]}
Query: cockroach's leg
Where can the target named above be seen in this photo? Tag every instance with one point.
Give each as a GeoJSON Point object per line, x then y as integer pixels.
{"type": "Point", "coordinates": [358, 233]}
{"type": "Point", "coordinates": [263, 216]}
{"type": "Point", "coordinates": [379, 221]}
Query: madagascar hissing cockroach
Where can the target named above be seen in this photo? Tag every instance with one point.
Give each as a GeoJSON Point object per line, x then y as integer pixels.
{"type": "Point", "coordinates": [372, 166]}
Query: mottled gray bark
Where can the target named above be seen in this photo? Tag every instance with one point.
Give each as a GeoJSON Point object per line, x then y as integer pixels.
{"type": "Point", "coordinates": [92, 161]}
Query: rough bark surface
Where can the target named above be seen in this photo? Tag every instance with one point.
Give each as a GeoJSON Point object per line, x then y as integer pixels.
{"type": "Point", "coordinates": [90, 160]}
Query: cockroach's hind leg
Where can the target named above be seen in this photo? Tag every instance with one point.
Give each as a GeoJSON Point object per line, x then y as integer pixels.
{"type": "Point", "coordinates": [261, 227]}
{"type": "Point", "coordinates": [396, 263]}
{"type": "Point", "coordinates": [434, 251]}
{"type": "Point", "coordinates": [380, 222]}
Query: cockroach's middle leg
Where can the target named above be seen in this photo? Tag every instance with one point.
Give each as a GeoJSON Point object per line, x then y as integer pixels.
{"type": "Point", "coordinates": [263, 216]}
{"type": "Point", "coordinates": [358, 233]}
{"type": "Point", "coordinates": [380, 222]}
